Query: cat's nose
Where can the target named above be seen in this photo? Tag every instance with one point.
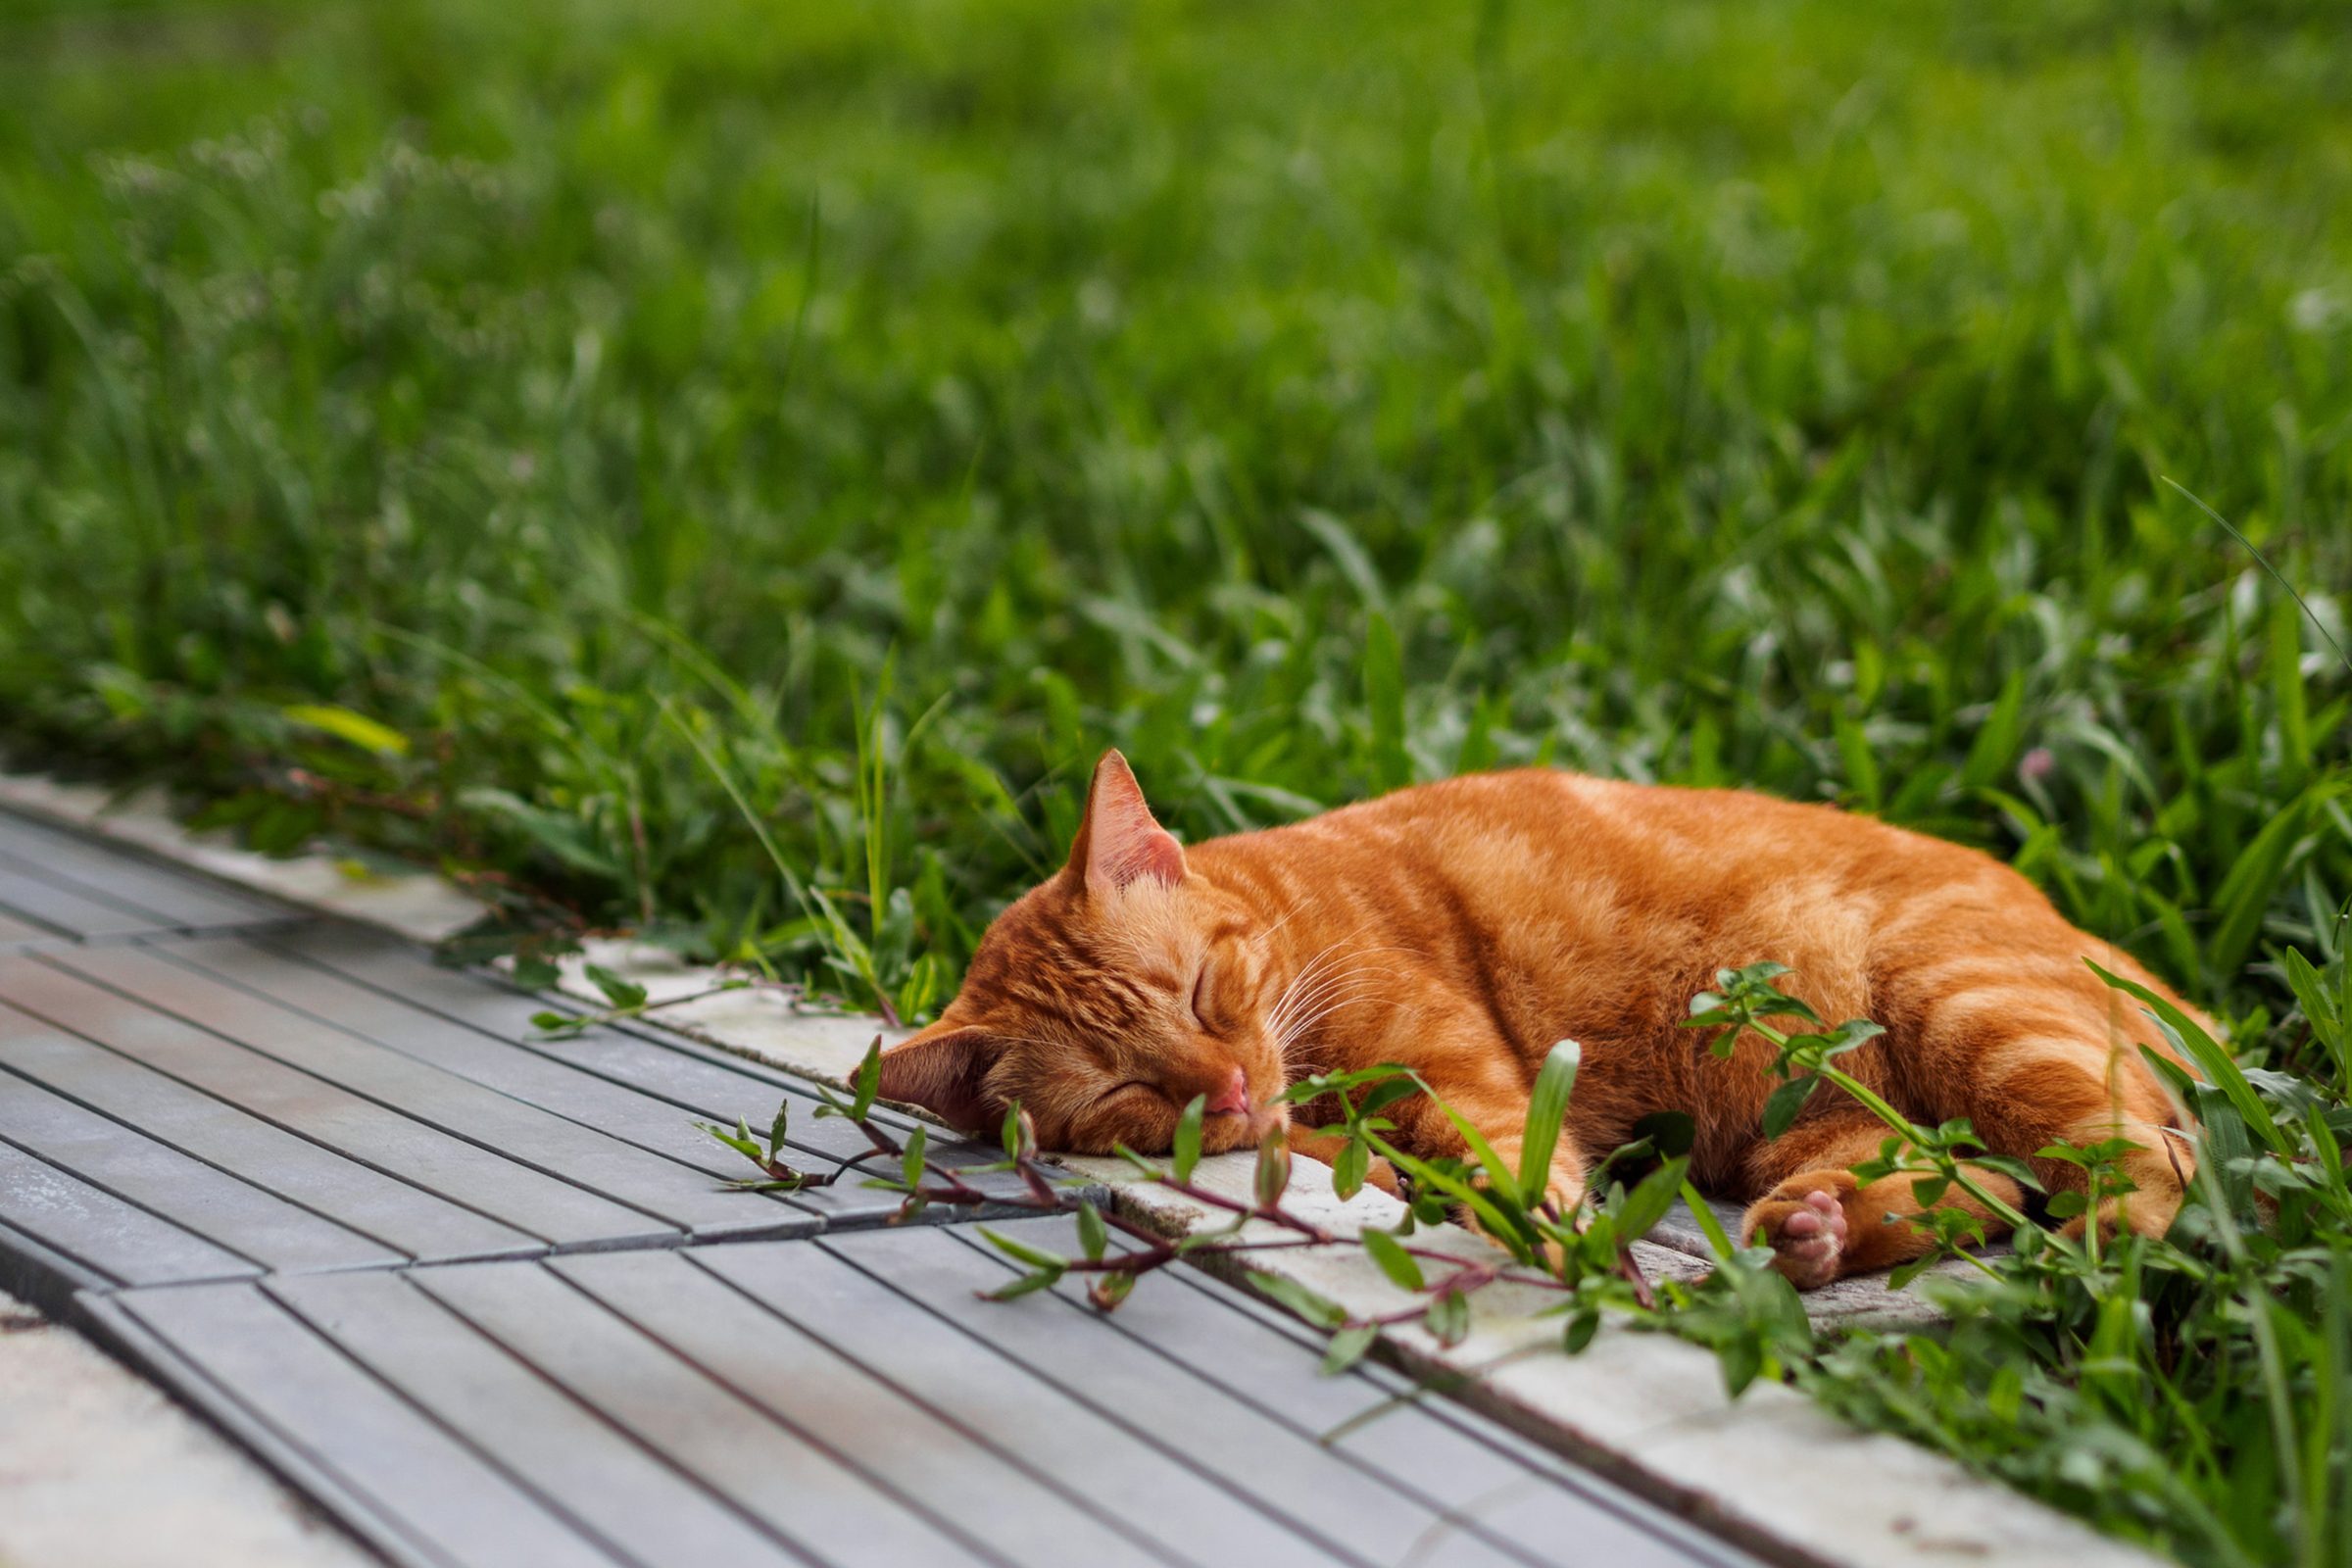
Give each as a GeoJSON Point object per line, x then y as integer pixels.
{"type": "Point", "coordinates": [1235, 1098]}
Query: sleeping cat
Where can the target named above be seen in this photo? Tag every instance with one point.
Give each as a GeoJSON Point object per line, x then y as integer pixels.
{"type": "Point", "coordinates": [1463, 927]}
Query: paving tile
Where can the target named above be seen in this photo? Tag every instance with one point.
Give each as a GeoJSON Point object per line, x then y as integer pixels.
{"type": "Point", "coordinates": [482, 1295]}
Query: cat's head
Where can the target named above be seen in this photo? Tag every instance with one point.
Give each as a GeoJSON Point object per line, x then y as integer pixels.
{"type": "Point", "coordinates": [1105, 998]}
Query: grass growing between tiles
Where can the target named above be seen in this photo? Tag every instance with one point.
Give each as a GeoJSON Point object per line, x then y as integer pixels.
{"type": "Point", "coordinates": [722, 471]}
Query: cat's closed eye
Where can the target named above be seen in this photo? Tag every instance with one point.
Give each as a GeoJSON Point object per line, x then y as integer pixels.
{"type": "Point", "coordinates": [1201, 999]}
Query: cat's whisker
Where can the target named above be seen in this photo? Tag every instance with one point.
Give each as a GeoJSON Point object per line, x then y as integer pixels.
{"type": "Point", "coordinates": [1307, 1026]}
{"type": "Point", "coordinates": [1332, 991]}
{"type": "Point", "coordinates": [1299, 982]}
{"type": "Point", "coordinates": [1329, 953]}
{"type": "Point", "coordinates": [1301, 903]}
{"type": "Point", "coordinates": [1325, 983]}
{"type": "Point", "coordinates": [1325, 994]}
{"type": "Point", "coordinates": [1298, 1029]}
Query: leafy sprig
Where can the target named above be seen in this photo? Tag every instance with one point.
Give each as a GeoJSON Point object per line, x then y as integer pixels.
{"type": "Point", "coordinates": [625, 997]}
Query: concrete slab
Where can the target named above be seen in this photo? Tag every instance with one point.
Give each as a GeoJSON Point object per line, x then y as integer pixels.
{"type": "Point", "coordinates": [1650, 1410]}
{"type": "Point", "coordinates": [99, 1470]}
{"type": "Point", "coordinates": [407, 900]}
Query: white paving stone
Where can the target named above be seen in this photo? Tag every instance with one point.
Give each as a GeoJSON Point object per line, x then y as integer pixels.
{"type": "Point", "coordinates": [763, 1023]}
{"type": "Point", "coordinates": [99, 1470]}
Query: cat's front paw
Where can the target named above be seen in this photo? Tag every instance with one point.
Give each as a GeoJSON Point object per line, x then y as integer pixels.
{"type": "Point", "coordinates": [1803, 1221]}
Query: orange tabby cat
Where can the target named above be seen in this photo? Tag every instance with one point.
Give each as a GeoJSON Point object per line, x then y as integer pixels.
{"type": "Point", "coordinates": [1463, 927]}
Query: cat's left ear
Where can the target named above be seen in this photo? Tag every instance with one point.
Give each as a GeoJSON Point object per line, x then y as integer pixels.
{"type": "Point", "coordinates": [1120, 842]}
{"type": "Point", "coordinates": [944, 1070]}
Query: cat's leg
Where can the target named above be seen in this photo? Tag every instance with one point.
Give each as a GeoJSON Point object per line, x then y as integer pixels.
{"type": "Point", "coordinates": [2043, 1053]}
{"type": "Point", "coordinates": [1315, 1142]}
{"type": "Point", "coordinates": [1821, 1223]}
{"type": "Point", "coordinates": [2035, 1092]}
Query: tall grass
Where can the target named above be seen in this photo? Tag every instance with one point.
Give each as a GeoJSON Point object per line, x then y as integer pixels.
{"type": "Point", "coordinates": [1746, 394]}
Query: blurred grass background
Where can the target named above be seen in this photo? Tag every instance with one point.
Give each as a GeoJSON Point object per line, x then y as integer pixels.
{"type": "Point", "coordinates": [508, 432]}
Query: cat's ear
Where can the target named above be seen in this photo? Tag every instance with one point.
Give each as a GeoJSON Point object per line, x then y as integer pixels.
{"type": "Point", "coordinates": [1119, 842]}
{"type": "Point", "coordinates": [944, 1070]}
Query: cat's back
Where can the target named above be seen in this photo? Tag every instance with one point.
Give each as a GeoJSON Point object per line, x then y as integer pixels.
{"type": "Point", "coordinates": [1526, 818]}
{"type": "Point", "coordinates": [1556, 861]}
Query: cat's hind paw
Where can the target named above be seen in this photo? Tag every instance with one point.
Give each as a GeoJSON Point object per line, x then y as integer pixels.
{"type": "Point", "coordinates": [2145, 1214]}
{"type": "Point", "coordinates": [1807, 1232]}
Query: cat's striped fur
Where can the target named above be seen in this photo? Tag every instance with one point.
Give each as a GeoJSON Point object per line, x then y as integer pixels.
{"type": "Point", "coordinates": [1463, 927]}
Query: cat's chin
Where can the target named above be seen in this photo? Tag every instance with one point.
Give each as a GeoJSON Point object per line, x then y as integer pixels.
{"type": "Point", "coordinates": [1229, 1130]}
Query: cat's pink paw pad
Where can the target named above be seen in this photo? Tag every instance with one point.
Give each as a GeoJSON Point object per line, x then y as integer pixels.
{"type": "Point", "coordinates": [1810, 1238]}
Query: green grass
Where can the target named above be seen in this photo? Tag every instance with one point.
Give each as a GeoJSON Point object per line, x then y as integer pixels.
{"type": "Point", "coordinates": [622, 451]}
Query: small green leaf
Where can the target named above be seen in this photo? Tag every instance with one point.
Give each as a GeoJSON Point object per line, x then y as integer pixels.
{"type": "Point", "coordinates": [911, 1163]}
{"type": "Point", "coordinates": [1023, 1252]}
{"type": "Point", "coordinates": [1318, 1085]}
{"type": "Point", "coordinates": [1188, 1138]}
{"type": "Point", "coordinates": [534, 973]}
{"type": "Point", "coordinates": [1440, 1183]}
{"type": "Point", "coordinates": [1785, 1101]}
{"type": "Point", "coordinates": [1709, 1226]}
{"type": "Point", "coordinates": [1546, 1109]}
{"type": "Point", "coordinates": [1288, 1293]}
{"type": "Point", "coordinates": [1348, 1346]}
{"type": "Point", "coordinates": [1648, 1201]}
{"type": "Point", "coordinates": [776, 1128]}
{"type": "Point", "coordinates": [1273, 1174]}
{"type": "Point", "coordinates": [1110, 1289]}
{"type": "Point", "coordinates": [1350, 1168]}
{"type": "Point", "coordinates": [1498, 1172]}
{"type": "Point", "coordinates": [1449, 1318]}
{"type": "Point", "coordinates": [1043, 1279]}
{"type": "Point", "coordinates": [1582, 1326]}
{"type": "Point", "coordinates": [619, 992]}
{"type": "Point", "coordinates": [1143, 1166]}
{"type": "Point", "coordinates": [1852, 1035]}
{"type": "Point", "coordinates": [1905, 1273]}
{"type": "Point", "coordinates": [1669, 1132]}
{"type": "Point", "coordinates": [345, 725]}
{"type": "Point", "coordinates": [1093, 1236]}
{"type": "Point", "coordinates": [740, 1142]}
{"type": "Point", "coordinates": [866, 1082]}
{"type": "Point", "coordinates": [1380, 1095]}
{"type": "Point", "coordinates": [1742, 1359]}
{"type": "Point", "coordinates": [2009, 1165]}
{"type": "Point", "coordinates": [1395, 1261]}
